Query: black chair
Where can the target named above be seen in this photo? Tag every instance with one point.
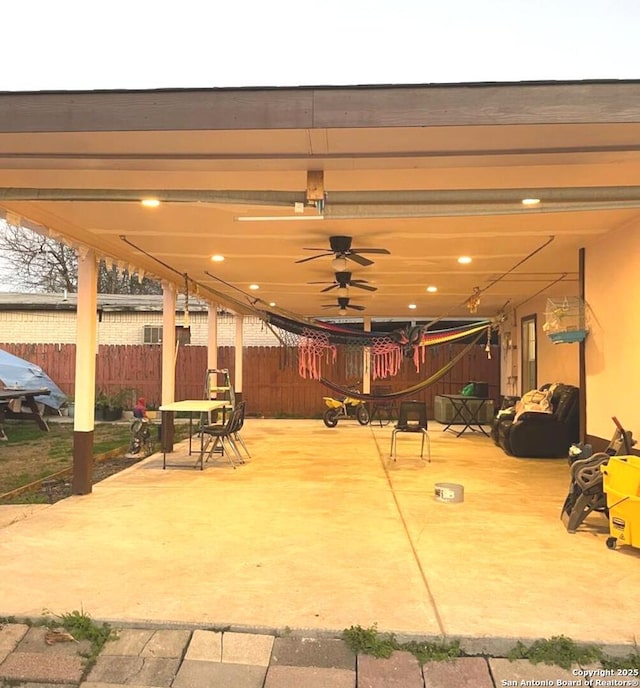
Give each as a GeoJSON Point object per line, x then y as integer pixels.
{"type": "Point", "coordinates": [221, 437]}
{"type": "Point", "coordinates": [239, 423]}
{"type": "Point", "coordinates": [384, 410]}
{"type": "Point", "coordinates": [412, 418]}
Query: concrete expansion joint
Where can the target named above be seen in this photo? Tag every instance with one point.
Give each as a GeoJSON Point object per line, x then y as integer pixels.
{"type": "Point", "coordinates": [139, 670]}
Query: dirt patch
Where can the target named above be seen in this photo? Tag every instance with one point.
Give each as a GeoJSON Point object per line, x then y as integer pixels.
{"type": "Point", "coordinates": [30, 454]}
{"type": "Point", "coordinates": [54, 490]}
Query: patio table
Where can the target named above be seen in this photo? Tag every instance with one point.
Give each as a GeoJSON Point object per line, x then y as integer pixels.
{"type": "Point", "coordinates": [468, 414]}
{"type": "Point", "coordinates": [27, 400]}
{"type": "Point", "coordinates": [192, 406]}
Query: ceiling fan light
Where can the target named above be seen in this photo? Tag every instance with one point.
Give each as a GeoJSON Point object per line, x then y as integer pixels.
{"type": "Point", "coordinates": [339, 264]}
{"type": "Point", "coordinates": [342, 311]}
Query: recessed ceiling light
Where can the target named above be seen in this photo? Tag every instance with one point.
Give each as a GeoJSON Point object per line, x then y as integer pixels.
{"type": "Point", "coordinates": [272, 303]}
{"type": "Point", "coordinates": [412, 306]}
{"type": "Point", "coordinates": [253, 287]}
{"type": "Point", "coordinates": [217, 258]}
{"type": "Point", "coordinates": [530, 201]}
{"type": "Point", "coordinates": [464, 260]}
{"type": "Point", "coordinates": [150, 202]}
{"type": "Point", "coordinates": [432, 290]}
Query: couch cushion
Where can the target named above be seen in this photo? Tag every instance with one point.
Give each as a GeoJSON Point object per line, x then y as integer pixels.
{"type": "Point", "coordinates": [536, 400]}
{"type": "Point", "coordinates": [564, 402]}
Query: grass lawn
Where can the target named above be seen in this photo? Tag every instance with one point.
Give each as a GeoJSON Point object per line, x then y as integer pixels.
{"type": "Point", "coordinates": [31, 454]}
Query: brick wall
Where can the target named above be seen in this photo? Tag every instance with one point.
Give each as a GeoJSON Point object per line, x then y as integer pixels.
{"type": "Point", "coordinates": [122, 327]}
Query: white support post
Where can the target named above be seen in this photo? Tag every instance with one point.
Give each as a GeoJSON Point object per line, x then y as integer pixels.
{"type": "Point", "coordinates": [366, 359]}
{"type": "Point", "coordinates": [212, 337]}
{"type": "Point", "coordinates": [85, 373]}
{"type": "Point", "coordinates": [168, 342]}
{"type": "Point", "coordinates": [239, 340]}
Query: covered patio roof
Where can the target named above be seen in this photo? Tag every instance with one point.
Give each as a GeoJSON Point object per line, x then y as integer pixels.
{"type": "Point", "coordinates": [428, 172]}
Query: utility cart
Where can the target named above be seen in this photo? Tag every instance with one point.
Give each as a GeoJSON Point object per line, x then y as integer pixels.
{"type": "Point", "coordinates": [622, 487]}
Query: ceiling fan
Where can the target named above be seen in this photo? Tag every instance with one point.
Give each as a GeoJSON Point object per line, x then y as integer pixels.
{"type": "Point", "coordinates": [343, 280]}
{"type": "Point", "coordinates": [342, 304]}
{"type": "Point", "coordinates": [340, 247]}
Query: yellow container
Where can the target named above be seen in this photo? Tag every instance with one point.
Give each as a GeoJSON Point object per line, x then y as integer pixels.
{"type": "Point", "coordinates": [621, 477]}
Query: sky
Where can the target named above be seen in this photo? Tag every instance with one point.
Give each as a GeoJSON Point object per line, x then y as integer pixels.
{"type": "Point", "coordinates": [143, 44]}
{"type": "Point", "coordinates": [138, 44]}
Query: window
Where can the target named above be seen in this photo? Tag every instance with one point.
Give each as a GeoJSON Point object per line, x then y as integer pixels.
{"type": "Point", "coordinates": [152, 334]}
{"type": "Point", "coordinates": [529, 354]}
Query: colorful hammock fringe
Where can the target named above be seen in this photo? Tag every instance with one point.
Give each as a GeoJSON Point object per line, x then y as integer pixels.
{"type": "Point", "coordinates": [311, 348]}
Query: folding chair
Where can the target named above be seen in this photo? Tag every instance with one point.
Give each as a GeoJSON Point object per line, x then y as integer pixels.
{"type": "Point", "coordinates": [240, 422]}
{"type": "Point", "coordinates": [412, 418]}
{"type": "Point", "coordinates": [221, 437]}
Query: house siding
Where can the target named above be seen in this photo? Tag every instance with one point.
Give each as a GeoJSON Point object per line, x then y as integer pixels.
{"type": "Point", "coordinates": [123, 327]}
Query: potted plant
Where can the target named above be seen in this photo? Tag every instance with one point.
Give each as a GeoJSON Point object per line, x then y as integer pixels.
{"type": "Point", "coordinates": [109, 407]}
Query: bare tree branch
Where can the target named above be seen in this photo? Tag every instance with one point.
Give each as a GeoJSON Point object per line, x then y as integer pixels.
{"type": "Point", "coordinates": [40, 264]}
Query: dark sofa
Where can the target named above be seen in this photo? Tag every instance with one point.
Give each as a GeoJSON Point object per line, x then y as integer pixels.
{"type": "Point", "coordinates": [541, 435]}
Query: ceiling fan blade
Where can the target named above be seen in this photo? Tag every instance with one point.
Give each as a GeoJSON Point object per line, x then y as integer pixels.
{"type": "Point", "coordinates": [361, 260]}
{"type": "Point", "coordinates": [306, 248]}
{"type": "Point", "coordinates": [360, 285]}
{"type": "Point", "coordinates": [370, 250]}
{"type": "Point", "coordinates": [355, 307]}
{"type": "Point", "coordinates": [320, 255]}
{"type": "Point", "coordinates": [329, 288]}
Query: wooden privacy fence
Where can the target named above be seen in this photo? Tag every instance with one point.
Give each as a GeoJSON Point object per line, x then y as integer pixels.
{"type": "Point", "coordinates": [271, 384]}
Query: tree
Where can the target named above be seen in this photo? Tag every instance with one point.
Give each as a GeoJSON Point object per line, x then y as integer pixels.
{"type": "Point", "coordinates": [38, 263]}
{"type": "Point", "coordinates": [34, 262]}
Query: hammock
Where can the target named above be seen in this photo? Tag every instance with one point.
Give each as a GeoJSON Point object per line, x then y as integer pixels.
{"type": "Point", "coordinates": [338, 334]}
{"type": "Point", "coordinates": [316, 340]}
{"type": "Point", "coordinates": [409, 390]}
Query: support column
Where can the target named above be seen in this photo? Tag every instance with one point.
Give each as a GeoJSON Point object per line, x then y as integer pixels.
{"type": "Point", "coordinates": [212, 337]}
{"type": "Point", "coordinates": [237, 382]}
{"type": "Point", "coordinates": [168, 361]}
{"type": "Point", "coordinates": [85, 373]}
{"type": "Point", "coordinates": [582, 353]}
{"type": "Point", "coordinates": [366, 359]}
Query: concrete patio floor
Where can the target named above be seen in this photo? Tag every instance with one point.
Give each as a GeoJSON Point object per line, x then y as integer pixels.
{"type": "Point", "coordinates": [319, 530]}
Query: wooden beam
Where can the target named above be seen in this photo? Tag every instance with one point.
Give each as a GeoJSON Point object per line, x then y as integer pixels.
{"type": "Point", "coordinates": [318, 108]}
{"type": "Point", "coordinates": [315, 185]}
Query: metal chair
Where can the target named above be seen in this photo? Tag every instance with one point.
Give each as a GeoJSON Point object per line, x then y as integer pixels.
{"type": "Point", "coordinates": [240, 422]}
{"type": "Point", "coordinates": [221, 437]}
{"type": "Point", "coordinates": [411, 418]}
